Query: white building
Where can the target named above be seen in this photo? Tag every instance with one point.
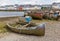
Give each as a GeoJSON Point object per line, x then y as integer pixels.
{"type": "Point", "coordinates": [8, 7]}
{"type": "Point", "coordinates": [32, 8]}
{"type": "Point", "coordinates": [11, 8]}
{"type": "Point", "coordinates": [2, 8]}
{"type": "Point", "coordinates": [56, 5]}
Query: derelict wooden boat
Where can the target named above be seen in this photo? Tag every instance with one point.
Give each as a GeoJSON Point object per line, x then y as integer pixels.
{"type": "Point", "coordinates": [36, 14]}
{"type": "Point", "coordinates": [31, 29]}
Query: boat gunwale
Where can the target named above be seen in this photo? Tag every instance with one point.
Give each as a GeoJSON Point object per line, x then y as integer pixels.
{"type": "Point", "coordinates": [19, 28]}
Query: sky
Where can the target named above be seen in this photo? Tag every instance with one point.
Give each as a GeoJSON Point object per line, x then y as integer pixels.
{"type": "Point", "coordinates": [39, 2]}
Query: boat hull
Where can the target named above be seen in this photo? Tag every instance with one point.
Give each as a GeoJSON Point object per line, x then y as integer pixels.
{"type": "Point", "coordinates": [38, 32]}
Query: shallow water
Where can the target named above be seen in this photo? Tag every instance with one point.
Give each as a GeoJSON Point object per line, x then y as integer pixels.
{"type": "Point", "coordinates": [10, 13]}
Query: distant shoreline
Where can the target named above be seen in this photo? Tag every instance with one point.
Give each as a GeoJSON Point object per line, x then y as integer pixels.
{"type": "Point", "coordinates": [14, 10]}
{"type": "Point", "coordinates": [9, 10]}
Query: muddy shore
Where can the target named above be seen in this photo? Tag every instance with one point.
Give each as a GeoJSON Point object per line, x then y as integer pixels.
{"type": "Point", "coordinates": [52, 32]}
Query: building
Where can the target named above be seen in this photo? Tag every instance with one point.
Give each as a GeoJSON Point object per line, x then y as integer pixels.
{"type": "Point", "coordinates": [46, 7]}
{"type": "Point", "coordinates": [56, 6]}
{"type": "Point", "coordinates": [8, 7]}
{"type": "Point", "coordinates": [2, 8]}
{"type": "Point", "coordinates": [29, 7]}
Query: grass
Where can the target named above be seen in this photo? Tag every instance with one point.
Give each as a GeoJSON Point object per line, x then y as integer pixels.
{"type": "Point", "coordinates": [3, 24]}
{"type": "Point", "coordinates": [40, 21]}
{"type": "Point", "coordinates": [4, 30]}
{"type": "Point", "coordinates": [2, 27]}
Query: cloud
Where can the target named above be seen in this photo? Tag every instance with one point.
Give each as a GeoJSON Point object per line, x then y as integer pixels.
{"type": "Point", "coordinates": [56, 0]}
{"type": "Point", "coordinates": [8, 2]}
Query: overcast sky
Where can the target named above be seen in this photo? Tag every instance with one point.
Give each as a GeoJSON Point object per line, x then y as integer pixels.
{"type": "Point", "coordinates": [9, 2]}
